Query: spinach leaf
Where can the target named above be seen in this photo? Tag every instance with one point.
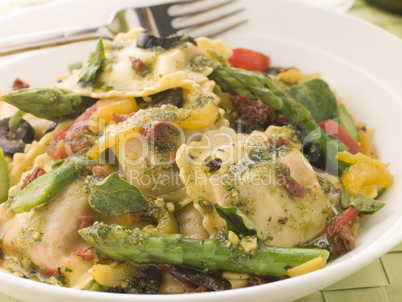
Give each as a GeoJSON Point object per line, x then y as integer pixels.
{"type": "Point", "coordinates": [317, 97]}
{"type": "Point", "coordinates": [360, 202]}
{"type": "Point", "coordinates": [94, 67]}
{"type": "Point", "coordinates": [237, 222]}
{"type": "Point", "coordinates": [115, 196]}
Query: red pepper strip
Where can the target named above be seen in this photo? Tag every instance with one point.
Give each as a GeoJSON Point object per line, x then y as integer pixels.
{"type": "Point", "coordinates": [81, 121]}
{"type": "Point", "coordinates": [249, 60]}
{"type": "Point", "coordinates": [340, 133]}
{"type": "Point", "coordinates": [345, 219]}
{"type": "Point", "coordinates": [38, 171]}
{"type": "Point", "coordinates": [57, 148]}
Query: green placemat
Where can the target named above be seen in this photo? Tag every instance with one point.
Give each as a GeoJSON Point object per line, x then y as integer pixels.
{"type": "Point", "coordinates": [380, 281]}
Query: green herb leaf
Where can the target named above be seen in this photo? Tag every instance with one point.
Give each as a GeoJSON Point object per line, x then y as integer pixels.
{"type": "Point", "coordinates": [115, 196]}
{"type": "Point", "coordinates": [360, 202]}
{"type": "Point", "coordinates": [237, 222]}
{"type": "Point", "coordinates": [317, 97]}
{"type": "Point", "coordinates": [77, 65]}
{"type": "Point", "coordinates": [4, 178]}
{"type": "Point", "coordinates": [94, 67]}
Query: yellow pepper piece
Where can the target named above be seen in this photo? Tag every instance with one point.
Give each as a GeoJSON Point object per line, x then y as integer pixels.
{"type": "Point", "coordinates": [292, 76]}
{"type": "Point", "coordinates": [106, 108]}
{"type": "Point", "coordinates": [307, 267]}
{"type": "Point", "coordinates": [367, 145]}
{"type": "Point", "coordinates": [114, 274]}
{"type": "Point", "coordinates": [364, 173]}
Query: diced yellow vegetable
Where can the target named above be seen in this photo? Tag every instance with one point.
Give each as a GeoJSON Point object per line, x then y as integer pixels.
{"type": "Point", "coordinates": [307, 267]}
{"type": "Point", "coordinates": [367, 145]}
{"type": "Point", "coordinates": [106, 108]}
{"type": "Point", "coordinates": [364, 173]}
{"type": "Point", "coordinates": [112, 275]}
{"type": "Point", "coordinates": [292, 76]}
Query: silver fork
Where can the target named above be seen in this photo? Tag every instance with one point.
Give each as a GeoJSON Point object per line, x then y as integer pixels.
{"type": "Point", "coordinates": [200, 17]}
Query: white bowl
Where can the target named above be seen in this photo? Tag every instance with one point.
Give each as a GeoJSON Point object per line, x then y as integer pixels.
{"type": "Point", "coordinates": [360, 61]}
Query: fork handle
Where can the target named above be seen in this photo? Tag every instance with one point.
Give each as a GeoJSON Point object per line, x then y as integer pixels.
{"type": "Point", "coordinates": [20, 43]}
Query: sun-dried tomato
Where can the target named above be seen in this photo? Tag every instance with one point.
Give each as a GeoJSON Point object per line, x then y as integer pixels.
{"type": "Point", "coordinates": [173, 159]}
{"type": "Point", "coordinates": [192, 289]}
{"type": "Point", "coordinates": [18, 84]}
{"type": "Point", "coordinates": [136, 64]}
{"type": "Point", "coordinates": [87, 253]}
{"type": "Point", "coordinates": [343, 242]}
{"type": "Point", "coordinates": [156, 131]}
{"type": "Point", "coordinates": [37, 171]}
{"type": "Point", "coordinates": [85, 221]}
{"type": "Point", "coordinates": [294, 188]}
{"type": "Point", "coordinates": [257, 280]}
{"type": "Point", "coordinates": [50, 272]}
{"type": "Point", "coordinates": [339, 232]}
{"type": "Point", "coordinates": [277, 142]}
{"type": "Point", "coordinates": [98, 171]}
{"type": "Point", "coordinates": [254, 115]}
{"type": "Point", "coordinates": [118, 118]}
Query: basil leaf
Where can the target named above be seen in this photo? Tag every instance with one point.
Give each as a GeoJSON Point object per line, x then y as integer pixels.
{"type": "Point", "coordinates": [360, 202]}
{"type": "Point", "coordinates": [237, 222]}
{"type": "Point", "coordinates": [93, 68]}
{"type": "Point", "coordinates": [317, 97]}
{"type": "Point", "coordinates": [115, 196]}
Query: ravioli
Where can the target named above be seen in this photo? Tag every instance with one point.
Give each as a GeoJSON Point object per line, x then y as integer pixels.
{"type": "Point", "coordinates": [186, 65]}
{"type": "Point", "coordinates": [247, 179]}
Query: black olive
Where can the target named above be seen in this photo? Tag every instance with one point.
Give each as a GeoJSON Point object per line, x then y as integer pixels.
{"type": "Point", "coordinates": [24, 135]}
{"type": "Point", "coordinates": [196, 277]}
{"type": "Point", "coordinates": [146, 40]}
{"type": "Point", "coordinates": [51, 127]}
{"type": "Point", "coordinates": [171, 96]}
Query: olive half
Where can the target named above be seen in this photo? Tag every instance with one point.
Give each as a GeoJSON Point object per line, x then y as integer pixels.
{"type": "Point", "coordinates": [24, 135]}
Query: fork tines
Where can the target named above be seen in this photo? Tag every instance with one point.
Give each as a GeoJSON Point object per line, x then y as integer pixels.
{"type": "Point", "coordinates": [195, 17]}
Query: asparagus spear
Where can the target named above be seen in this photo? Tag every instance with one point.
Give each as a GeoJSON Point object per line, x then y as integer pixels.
{"type": "Point", "coordinates": [254, 84]}
{"type": "Point", "coordinates": [235, 81]}
{"type": "Point", "coordinates": [48, 103]}
{"type": "Point", "coordinates": [123, 243]}
{"type": "Point", "coordinates": [48, 185]}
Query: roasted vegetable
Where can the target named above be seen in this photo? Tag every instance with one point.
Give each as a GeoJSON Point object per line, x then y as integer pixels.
{"type": "Point", "coordinates": [255, 85]}
{"type": "Point", "coordinates": [197, 278]}
{"type": "Point", "coordinates": [258, 86]}
{"type": "Point", "coordinates": [45, 187]}
{"type": "Point", "coordinates": [133, 244]}
{"type": "Point", "coordinates": [48, 103]}
{"type": "Point", "coordinates": [171, 96]}
{"type": "Point", "coordinates": [14, 141]}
